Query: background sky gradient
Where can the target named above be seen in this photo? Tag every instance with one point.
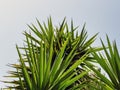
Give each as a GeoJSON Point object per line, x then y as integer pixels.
{"type": "Point", "coordinates": [101, 16]}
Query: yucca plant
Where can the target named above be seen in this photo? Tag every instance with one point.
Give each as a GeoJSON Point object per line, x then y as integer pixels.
{"type": "Point", "coordinates": [58, 49]}
{"type": "Point", "coordinates": [109, 60]}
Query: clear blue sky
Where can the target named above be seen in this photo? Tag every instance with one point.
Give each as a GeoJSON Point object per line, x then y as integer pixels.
{"type": "Point", "coordinates": [100, 16]}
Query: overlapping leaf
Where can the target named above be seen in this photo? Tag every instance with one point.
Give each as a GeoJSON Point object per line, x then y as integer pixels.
{"type": "Point", "coordinates": [110, 62]}
{"type": "Point", "coordinates": [51, 57]}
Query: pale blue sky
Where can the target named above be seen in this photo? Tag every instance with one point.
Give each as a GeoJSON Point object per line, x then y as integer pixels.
{"type": "Point", "coordinates": [100, 16]}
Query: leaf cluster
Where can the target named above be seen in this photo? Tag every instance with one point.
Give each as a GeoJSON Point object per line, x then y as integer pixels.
{"type": "Point", "coordinates": [59, 58]}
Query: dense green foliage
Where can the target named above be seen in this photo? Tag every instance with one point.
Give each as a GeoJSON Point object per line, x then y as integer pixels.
{"type": "Point", "coordinates": [60, 58]}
